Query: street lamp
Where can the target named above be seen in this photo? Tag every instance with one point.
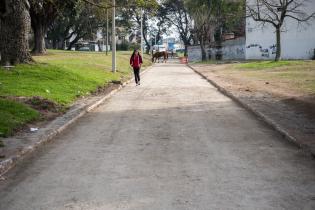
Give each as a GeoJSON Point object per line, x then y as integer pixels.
{"type": "Point", "coordinates": [113, 39]}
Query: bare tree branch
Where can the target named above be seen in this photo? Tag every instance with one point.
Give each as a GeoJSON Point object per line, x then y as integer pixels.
{"type": "Point", "coordinates": [302, 19]}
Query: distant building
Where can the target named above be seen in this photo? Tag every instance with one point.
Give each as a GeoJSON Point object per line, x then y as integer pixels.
{"type": "Point", "coordinates": [169, 43]}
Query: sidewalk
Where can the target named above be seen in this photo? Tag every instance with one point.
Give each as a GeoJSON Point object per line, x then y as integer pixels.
{"type": "Point", "coordinates": [292, 118]}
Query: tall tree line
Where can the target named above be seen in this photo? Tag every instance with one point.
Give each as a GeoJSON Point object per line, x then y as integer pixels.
{"type": "Point", "coordinates": [196, 21]}
{"type": "Point", "coordinates": [60, 22]}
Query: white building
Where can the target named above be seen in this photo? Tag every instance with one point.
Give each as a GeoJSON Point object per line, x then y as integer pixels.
{"type": "Point", "coordinates": [298, 40]}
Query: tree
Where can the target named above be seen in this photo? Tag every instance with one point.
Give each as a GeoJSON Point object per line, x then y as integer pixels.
{"type": "Point", "coordinates": [204, 23]}
{"type": "Point", "coordinates": [59, 31]}
{"type": "Point", "coordinates": [14, 31]}
{"type": "Point", "coordinates": [158, 25]}
{"type": "Point", "coordinates": [80, 22]}
{"type": "Point", "coordinates": [132, 13]}
{"type": "Point", "coordinates": [129, 13]}
{"type": "Point", "coordinates": [275, 12]}
{"type": "Point", "coordinates": [43, 13]}
{"type": "Point", "coordinates": [212, 17]}
{"type": "Point", "coordinates": [179, 17]}
{"type": "Point", "coordinates": [229, 17]}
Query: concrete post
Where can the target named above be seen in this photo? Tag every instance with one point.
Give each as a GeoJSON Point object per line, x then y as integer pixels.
{"type": "Point", "coordinates": [114, 39]}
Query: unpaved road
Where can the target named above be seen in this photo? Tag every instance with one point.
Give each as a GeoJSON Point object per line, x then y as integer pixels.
{"type": "Point", "coordinates": [173, 143]}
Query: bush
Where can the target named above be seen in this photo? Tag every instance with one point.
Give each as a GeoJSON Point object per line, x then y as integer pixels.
{"type": "Point", "coordinates": [123, 46]}
{"type": "Point", "coordinates": [133, 46]}
{"type": "Point", "coordinates": [128, 46]}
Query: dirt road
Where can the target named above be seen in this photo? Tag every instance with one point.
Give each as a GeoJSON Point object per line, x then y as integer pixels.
{"type": "Point", "coordinates": [173, 143]}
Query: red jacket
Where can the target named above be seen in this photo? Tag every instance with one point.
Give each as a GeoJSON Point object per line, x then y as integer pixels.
{"type": "Point", "coordinates": [135, 61]}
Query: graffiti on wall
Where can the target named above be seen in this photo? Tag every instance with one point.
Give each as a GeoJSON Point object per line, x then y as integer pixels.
{"type": "Point", "coordinates": [236, 52]}
{"type": "Point", "coordinates": [230, 50]}
{"type": "Point", "coordinates": [240, 51]}
{"type": "Point", "coordinates": [265, 52]}
{"type": "Point", "coordinates": [273, 49]}
{"type": "Point", "coordinates": [234, 49]}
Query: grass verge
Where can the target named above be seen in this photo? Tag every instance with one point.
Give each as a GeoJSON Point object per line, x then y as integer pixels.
{"type": "Point", "coordinates": [295, 75]}
{"type": "Point", "coordinates": [206, 62]}
{"type": "Point", "coordinates": [269, 64]}
{"type": "Point", "coordinates": [13, 115]}
{"type": "Point", "coordinates": [288, 75]}
{"type": "Point", "coordinates": [60, 77]}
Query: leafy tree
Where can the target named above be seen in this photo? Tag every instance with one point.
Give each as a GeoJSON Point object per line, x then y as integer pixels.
{"type": "Point", "coordinates": [132, 14]}
{"type": "Point", "coordinates": [275, 12]}
{"type": "Point", "coordinates": [212, 16]}
{"type": "Point", "coordinates": [59, 31]}
{"type": "Point", "coordinates": [159, 25]}
{"type": "Point", "coordinates": [129, 14]}
{"type": "Point", "coordinates": [204, 23]}
{"type": "Point", "coordinates": [229, 17]}
{"type": "Point", "coordinates": [178, 16]}
{"type": "Point", "coordinates": [14, 30]}
{"type": "Point", "coordinates": [43, 13]}
{"type": "Point", "coordinates": [80, 22]}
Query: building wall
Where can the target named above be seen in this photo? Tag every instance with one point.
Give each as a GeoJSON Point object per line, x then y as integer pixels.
{"type": "Point", "coordinates": [231, 50]}
{"type": "Point", "coordinates": [194, 53]}
{"type": "Point", "coordinates": [298, 41]}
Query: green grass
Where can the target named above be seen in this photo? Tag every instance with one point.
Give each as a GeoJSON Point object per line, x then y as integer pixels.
{"type": "Point", "coordinates": [180, 54]}
{"type": "Point", "coordinates": [62, 76]}
{"type": "Point", "coordinates": [268, 64]}
{"type": "Point", "coordinates": [13, 115]}
{"type": "Point", "coordinates": [59, 76]}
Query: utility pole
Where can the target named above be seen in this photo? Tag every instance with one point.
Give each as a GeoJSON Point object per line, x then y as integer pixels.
{"type": "Point", "coordinates": [113, 39]}
{"type": "Point", "coordinates": [106, 31]}
{"type": "Point", "coordinates": [141, 31]}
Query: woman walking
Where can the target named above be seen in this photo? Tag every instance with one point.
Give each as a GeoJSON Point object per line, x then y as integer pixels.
{"type": "Point", "coordinates": [136, 62]}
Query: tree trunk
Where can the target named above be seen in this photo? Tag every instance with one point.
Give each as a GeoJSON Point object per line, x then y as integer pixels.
{"type": "Point", "coordinates": [186, 50]}
{"type": "Point", "coordinates": [14, 31]}
{"type": "Point", "coordinates": [186, 42]}
{"type": "Point", "coordinates": [54, 43]}
{"type": "Point", "coordinates": [61, 44]}
{"type": "Point", "coordinates": [73, 42]}
{"type": "Point", "coordinates": [278, 45]}
{"type": "Point", "coordinates": [99, 46]}
{"type": "Point", "coordinates": [203, 50]}
{"type": "Point", "coordinates": [147, 51]}
{"type": "Point", "coordinates": [39, 38]}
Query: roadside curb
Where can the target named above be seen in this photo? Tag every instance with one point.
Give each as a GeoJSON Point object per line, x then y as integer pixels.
{"type": "Point", "coordinates": [59, 125]}
{"type": "Point", "coordinates": [271, 123]}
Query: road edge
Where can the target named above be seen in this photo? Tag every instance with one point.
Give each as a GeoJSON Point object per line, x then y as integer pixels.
{"type": "Point", "coordinates": [271, 123]}
{"type": "Point", "coordinates": [8, 163]}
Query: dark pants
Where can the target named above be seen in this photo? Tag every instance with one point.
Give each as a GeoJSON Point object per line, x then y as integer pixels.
{"type": "Point", "coordinates": [136, 71]}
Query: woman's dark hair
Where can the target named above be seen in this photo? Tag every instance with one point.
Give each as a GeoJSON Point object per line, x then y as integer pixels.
{"type": "Point", "coordinates": [134, 52]}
